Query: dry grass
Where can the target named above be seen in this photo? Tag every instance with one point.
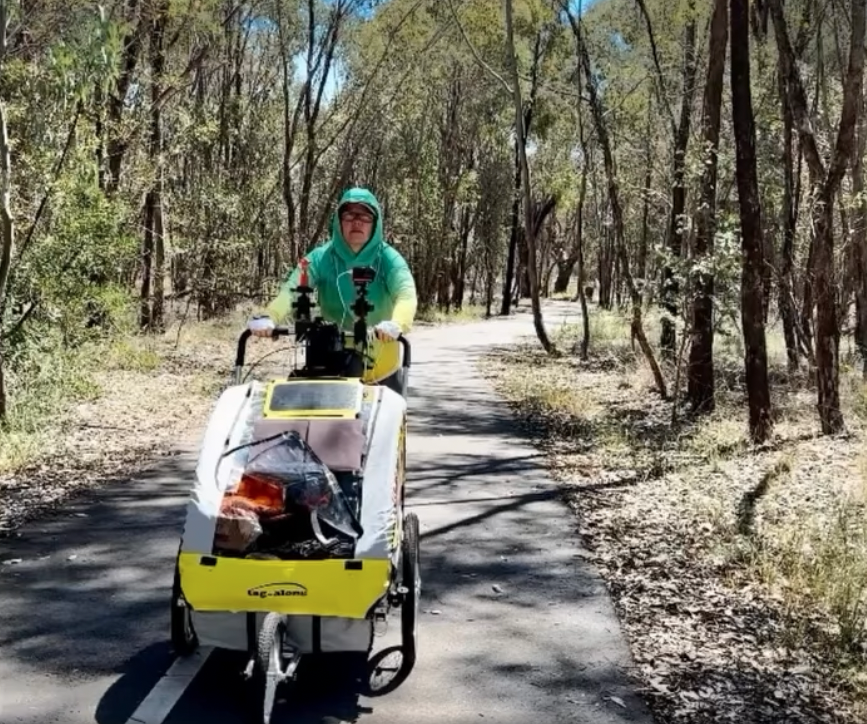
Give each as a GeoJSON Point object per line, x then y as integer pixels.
{"type": "Point", "coordinates": [133, 400]}
{"type": "Point", "coordinates": [436, 317]}
{"type": "Point", "coordinates": [116, 407]}
{"type": "Point", "coordinates": [740, 574]}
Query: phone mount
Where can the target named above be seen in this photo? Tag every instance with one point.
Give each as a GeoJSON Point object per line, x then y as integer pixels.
{"type": "Point", "coordinates": [327, 354]}
{"type": "Point", "coordinates": [361, 277]}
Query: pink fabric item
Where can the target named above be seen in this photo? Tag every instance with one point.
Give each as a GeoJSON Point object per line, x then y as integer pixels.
{"type": "Point", "coordinates": [338, 443]}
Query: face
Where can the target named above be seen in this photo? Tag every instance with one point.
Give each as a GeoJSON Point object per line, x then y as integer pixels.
{"type": "Point", "coordinates": [356, 224]}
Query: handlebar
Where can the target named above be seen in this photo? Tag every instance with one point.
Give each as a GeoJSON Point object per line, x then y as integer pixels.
{"type": "Point", "coordinates": [277, 332]}
{"type": "Point", "coordinates": [407, 351]}
{"type": "Point", "coordinates": [241, 352]}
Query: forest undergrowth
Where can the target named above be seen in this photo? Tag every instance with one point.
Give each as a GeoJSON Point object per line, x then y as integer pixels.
{"type": "Point", "coordinates": [108, 409]}
{"type": "Point", "coordinates": [116, 406]}
{"type": "Point", "coordinates": [739, 573]}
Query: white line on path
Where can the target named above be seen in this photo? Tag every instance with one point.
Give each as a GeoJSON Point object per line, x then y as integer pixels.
{"type": "Point", "coordinates": [159, 703]}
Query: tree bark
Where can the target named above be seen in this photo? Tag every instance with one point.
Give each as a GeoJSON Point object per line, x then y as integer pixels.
{"type": "Point", "coordinates": [579, 223]}
{"type": "Point", "coordinates": [752, 304]}
{"type": "Point", "coordinates": [506, 301]}
{"type": "Point", "coordinates": [859, 241]}
{"type": "Point", "coordinates": [117, 143]}
{"type": "Point", "coordinates": [614, 198]}
{"type": "Point", "coordinates": [529, 230]}
{"type": "Point", "coordinates": [641, 267]}
{"type": "Point", "coordinates": [514, 235]}
{"type": "Point", "coordinates": [827, 321]}
{"type": "Point", "coordinates": [827, 182]}
{"type": "Point", "coordinates": [7, 226]}
{"type": "Point", "coordinates": [313, 99]}
{"type": "Point", "coordinates": [784, 284]}
{"type": "Point", "coordinates": [700, 372]}
{"type": "Point", "coordinates": [670, 286]}
{"type": "Point", "coordinates": [153, 257]}
{"type": "Point", "coordinates": [565, 269]}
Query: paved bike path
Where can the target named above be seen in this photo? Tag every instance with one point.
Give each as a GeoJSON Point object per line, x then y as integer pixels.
{"type": "Point", "coordinates": [515, 627]}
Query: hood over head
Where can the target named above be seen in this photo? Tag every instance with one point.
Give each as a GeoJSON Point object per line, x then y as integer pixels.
{"type": "Point", "coordinates": [368, 252]}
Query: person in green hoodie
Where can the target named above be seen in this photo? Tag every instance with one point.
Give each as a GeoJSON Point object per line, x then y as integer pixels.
{"type": "Point", "coordinates": [356, 240]}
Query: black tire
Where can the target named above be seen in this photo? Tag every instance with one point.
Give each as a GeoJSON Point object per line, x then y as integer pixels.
{"type": "Point", "coordinates": [411, 580]}
{"type": "Point", "coordinates": [402, 453]}
{"type": "Point", "coordinates": [403, 382]}
{"type": "Point", "coordinates": [270, 636]}
{"type": "Point", "coordinates": [185, 641]}
{"type": "Point", "coordinates": [269, 650]}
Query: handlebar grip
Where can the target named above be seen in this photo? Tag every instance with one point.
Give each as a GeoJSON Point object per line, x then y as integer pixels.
{"type": "Point", "coordinates": [241, 352]}
{"type": "Point", "coordinates": [407, 351]}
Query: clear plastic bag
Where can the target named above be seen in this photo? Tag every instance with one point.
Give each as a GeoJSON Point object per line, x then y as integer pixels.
{"type": "Point", "coordinates": [308, 484]}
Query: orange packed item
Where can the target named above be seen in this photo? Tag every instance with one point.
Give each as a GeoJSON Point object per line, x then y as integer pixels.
{"type": "Point", "coordinates": [238, 526]}
{"type": "Point", "coordinates": [261, 492]}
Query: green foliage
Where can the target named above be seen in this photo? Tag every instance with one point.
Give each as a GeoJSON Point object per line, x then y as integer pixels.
{"type": "Point", "coordinates": [74, 268]}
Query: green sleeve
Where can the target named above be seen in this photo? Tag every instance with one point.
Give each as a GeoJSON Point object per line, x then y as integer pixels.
{"type": "Point", "coordinates": [281, 306]}
{"type": "Point", "coordinates": [401, 284]}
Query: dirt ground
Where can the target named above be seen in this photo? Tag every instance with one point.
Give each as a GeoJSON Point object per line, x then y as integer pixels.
{"type": "Point", "coordinates": [149, 395]}
{"type": "Point", "coordinates": [152, 394]}
{"type": "Point", "coordinates": [738, 573]}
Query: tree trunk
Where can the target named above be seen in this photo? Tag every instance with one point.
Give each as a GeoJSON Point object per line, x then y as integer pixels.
{"type": "Point", "coordinates": [807, 284]}
{"type": "Point", "coordinates": [579, 232]}
{"type": "Point", "coordinates": [827, 322]}
{"type": "Point", "coordinates": [117, 142]}
{"type": "Point", "coordinates": [147, 254]}
{"type": "Point", "coordinates": [859, 241]}
{"type": "Point", "coordinates": [670, 288]}
{"type": "Point", "coordinates": [790, 219]}
{"type": "Point", "coordinates": [290, 126]}
{"type": "Point", "coordinates": [313, 99]}
{"type": "Point", "coordinates": [459, 279]}
{"type": "Point", "coordinates": [506, 302]}
{"type": "Point", "coordinates": [752, 304]}
{"type": "Point", "coordinates": [827, 182]}
{"type": "Point", "coordinates": [576, 252]}
{"type": "Point", "coordinates": [700, 373]}
{"type": "Point", "coordinates": [7, 226]}
{"type": "Point", "coordinates": [529, 231]}
{"type": "Point", "coordinates": [158, 62]}
{"type": "Point", "coordinates": [514, 236]}
{"type": "Point", "coordinates": [614, 198]}
{"type": "Point", "coordinates": [565, 269]}
{"type": "Point", "coordinates": [645, 194]}
{"type": "Point", "coordinates": [827, 327]}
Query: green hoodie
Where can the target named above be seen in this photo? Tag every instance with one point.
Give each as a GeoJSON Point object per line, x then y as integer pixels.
{"type": "Point", "coordinates": [392, 293]}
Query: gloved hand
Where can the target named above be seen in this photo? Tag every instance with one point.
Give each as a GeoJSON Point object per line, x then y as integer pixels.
{"type": "Point", "coordinates": [388, 331]}
{"type": "Point", "coordinates": [261, 326]}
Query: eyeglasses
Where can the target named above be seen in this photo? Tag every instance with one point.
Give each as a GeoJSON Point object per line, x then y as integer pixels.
{"type": "Point", "coordinates": [361, 216]}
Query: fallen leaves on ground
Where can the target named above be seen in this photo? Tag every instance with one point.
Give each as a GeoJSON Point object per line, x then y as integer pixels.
{"type": "Point", "coordinates": [140, 417]}
{"type": "Point", "coordinates": [688, 526]}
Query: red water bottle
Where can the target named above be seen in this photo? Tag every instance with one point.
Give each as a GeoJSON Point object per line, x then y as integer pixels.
{"type": "Point", "coordinates": [302, 280]}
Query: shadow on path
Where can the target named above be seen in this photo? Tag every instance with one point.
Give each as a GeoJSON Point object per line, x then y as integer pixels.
{"type": "Point", "coordinates": [90, 595]}
{"type": "Point", "coordinates": [515, 625]}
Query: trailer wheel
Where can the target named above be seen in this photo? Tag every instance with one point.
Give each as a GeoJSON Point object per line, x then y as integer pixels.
{"type": "Point", "coordinates": [274, 666]}
{"type": "Point", "coordinates": [411, 581]}
{"type": "Point", "coordinates": [184, 638]}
